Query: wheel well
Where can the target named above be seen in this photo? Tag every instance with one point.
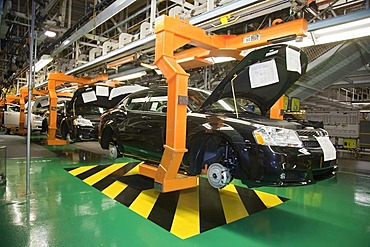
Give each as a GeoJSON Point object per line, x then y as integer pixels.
{"type": "Point", "coordinates": [205, 149]}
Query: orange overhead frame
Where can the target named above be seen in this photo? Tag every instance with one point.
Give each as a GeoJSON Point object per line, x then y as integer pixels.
{"type": "Point", "coordinates": [171, 34]}
{"type": "Point", "coordinates": [55, 80]}
{"type": "Point", "coordinates": [10, 98]}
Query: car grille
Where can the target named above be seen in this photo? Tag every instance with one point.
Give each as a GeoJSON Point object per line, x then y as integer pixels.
{"type": "Point", "coordinates": [311, 144]}
{"type": "Point", "coordinates": [310, 133]}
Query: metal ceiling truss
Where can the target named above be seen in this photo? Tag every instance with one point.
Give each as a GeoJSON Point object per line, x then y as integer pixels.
{"type": "Point", "coordinates": [113, 30]}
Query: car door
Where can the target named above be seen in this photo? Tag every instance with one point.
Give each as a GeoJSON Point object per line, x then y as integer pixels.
{"type": "Point", "coordinates": [153, 124]}
{"type": "Point", "coordinates": [129, 123]}
{"type": "Point", "coordinates": [11, 116]}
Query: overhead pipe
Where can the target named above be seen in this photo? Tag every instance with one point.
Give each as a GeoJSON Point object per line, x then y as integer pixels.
{"type": "Point", "coordinates": [1, 10]}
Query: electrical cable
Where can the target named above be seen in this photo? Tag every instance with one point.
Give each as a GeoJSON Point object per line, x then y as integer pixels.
{"type": "Point", "coordinates": [233, 91]}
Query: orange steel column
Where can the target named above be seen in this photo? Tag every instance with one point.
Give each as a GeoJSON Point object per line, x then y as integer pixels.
{"type": "Point", "coordinates": [52, 126]}
{"type": "Point", "coordinates": [22, 117]}
{"type": "Point", "coordinates": [166, 177]}
{"type": "Point", "coordinates": [277, 110]}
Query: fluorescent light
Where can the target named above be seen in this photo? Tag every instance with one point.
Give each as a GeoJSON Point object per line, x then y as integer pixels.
{"type": "Point", "coordinates": [350, 26]}
{"type": "Point", "coordinates": [130, 76]}
{"type": "Point", "coordinates": [44, 60]}
{"type": "Point", "coordinates": [158, 71]}
{"type": "Point", "coordinates": [149, 66]}
{"type": "Point", "coordinates": [219, 59]}
{"type": "Point", "coordinates": [360, 103]}
{"type": "Point", "coordinates": [50, 34]}
{"type": "Point", "coordinates": [66, 42]}
{"type": "Point", "coordinates": [350, 30]}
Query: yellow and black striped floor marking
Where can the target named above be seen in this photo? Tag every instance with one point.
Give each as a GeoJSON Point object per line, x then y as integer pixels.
{"type": "Point", "coordinates": [184, 213]}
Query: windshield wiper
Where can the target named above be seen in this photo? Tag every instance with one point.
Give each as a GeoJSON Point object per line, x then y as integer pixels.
{"type": "Point", "coordinates": [219, 110]}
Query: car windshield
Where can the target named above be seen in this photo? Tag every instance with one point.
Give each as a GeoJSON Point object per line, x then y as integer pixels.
{"type": "Point", "coordinates": [89, 110]}
{"type": "Point", "coordinates": [197, 98]}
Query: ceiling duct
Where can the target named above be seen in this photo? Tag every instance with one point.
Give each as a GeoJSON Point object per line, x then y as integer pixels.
{"type": "Point", "coordinates": [333, 66]}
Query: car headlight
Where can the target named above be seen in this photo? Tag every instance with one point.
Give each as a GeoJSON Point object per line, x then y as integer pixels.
{"type": "Point", "coordinates": [37, 118]}
{"type": "Point", "coordinates": [273, 136]}
{"type": "Point", "coordinates": [82, 122]}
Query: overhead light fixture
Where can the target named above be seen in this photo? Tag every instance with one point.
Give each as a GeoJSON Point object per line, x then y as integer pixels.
{"type": "Point", "coordinates": [66, 42]}
{"type": "Point", "coordinates": [153, 67]}
{"type": "Point", "coordinates": [219, 59]}
{"type": "Point", "coordinates": [44, 60]}
{"type": "Point", "coordinates": [360, 102]}
{"type": "Point", "coordinates": [158, 71]}
{"type": "Point", "coordinates": [345, 27]}
{"type": "Point", "coordinates": [50, 34]}
{"type": "Point", "coordinates": [351, 30]}
{"type": "Point", "coordinates": [149, 66]}
{"type": "Point", "coordinates": [130, 76]}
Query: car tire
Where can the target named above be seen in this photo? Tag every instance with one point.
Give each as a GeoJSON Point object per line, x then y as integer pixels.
{"type": "Point", "coordinates": [65, 133]}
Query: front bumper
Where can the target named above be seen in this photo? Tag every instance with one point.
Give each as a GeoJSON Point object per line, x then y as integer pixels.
{"type": "Point", "coordinates": [287, 166]}
{"type": "Point", "coordinates": [85, 132]}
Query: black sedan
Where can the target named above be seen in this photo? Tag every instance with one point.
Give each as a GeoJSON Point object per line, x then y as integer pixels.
{"type": "Point", "coordinates": [80, 117]}
{"type": "Point", "coordinates": [224, 137]}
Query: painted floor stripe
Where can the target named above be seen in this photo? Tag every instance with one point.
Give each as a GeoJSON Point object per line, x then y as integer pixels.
{"type": "Point", "coordinates": [104, 183]}
{"type": "Point", "coordinates": [134, 170]}
{"type": "Point", "coordinates": [211, 213]}
{"type": "Point", "coordinates": [114, 189]}
{"type": "Point", "coordinates": [80, 170]}
{"type": "Point", "coordinates": [186, 220]}
{"type": "Point", "coordinates": [91, 172]}
{"type": "Point", "coordinates": [164, 209]}
{"type": "Point", "coordinates": [251, 201]}
{"type": "Point", "coordinates": [144, 203]}
{"type": "Point", "coordinates": [184, 213]}
{"type": "Point", "coordinates": [102, 174]}
{"type": "Point", "coordinates": [232, 204]}
{"type": "Point", "coordinates": [127, 196]}
{"type": "Point", "coordinates": [268, 199]}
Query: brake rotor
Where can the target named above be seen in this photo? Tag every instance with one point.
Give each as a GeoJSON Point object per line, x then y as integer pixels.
{"type": "Point", "coordinates": [218, 175]}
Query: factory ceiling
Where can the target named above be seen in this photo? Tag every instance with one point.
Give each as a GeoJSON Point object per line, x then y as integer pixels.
{"type": "Point", "coordinates": [90, 32]}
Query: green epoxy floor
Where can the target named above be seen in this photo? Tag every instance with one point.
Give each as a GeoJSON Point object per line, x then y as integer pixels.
{"type": "Point", "coordinates": [63, 211]}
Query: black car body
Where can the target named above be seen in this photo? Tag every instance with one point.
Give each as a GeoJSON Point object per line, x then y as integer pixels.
{"type": "Point", "coordinates": [82, 113]}
{"type": "Point", "coordinates": [229, 143]}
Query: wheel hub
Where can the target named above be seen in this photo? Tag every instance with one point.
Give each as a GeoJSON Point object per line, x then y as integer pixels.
{"type": "Point", "coordinates": [218, 175]}
{"type": "Point", "coordinates": [113, 152]}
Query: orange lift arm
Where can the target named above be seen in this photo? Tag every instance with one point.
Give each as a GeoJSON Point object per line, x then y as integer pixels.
{"type": "Point", "coordinates": [171, 34]}
{"type": "Point", "coordinates": [55, 80]}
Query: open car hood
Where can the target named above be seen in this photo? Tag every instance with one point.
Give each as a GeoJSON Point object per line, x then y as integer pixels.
{"type": "Point", "coordinates": [103, 96]}
{"type": "Point", "coordinates": [263, 76]}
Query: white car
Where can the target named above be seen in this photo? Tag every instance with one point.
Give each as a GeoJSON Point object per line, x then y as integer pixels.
{"type": "Point", "coordinates": [12, 116]}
